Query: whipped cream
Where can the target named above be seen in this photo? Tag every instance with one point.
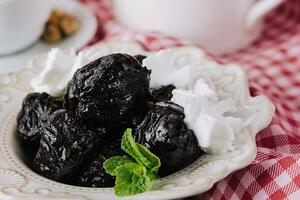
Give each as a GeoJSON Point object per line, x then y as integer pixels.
{"type": "Point", "coordinates": [60, 66]}
{"type": "Point", "coordinates": [59, 69]}
{"type": "Point", "coordinates": [205, 112]}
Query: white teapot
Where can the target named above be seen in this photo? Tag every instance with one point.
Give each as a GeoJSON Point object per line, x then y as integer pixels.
{"type": "Point", "coordinates": [221, 26]}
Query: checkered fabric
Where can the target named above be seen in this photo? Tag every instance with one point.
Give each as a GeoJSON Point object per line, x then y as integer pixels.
{"type": "Point", "coordinates": [273, 67]}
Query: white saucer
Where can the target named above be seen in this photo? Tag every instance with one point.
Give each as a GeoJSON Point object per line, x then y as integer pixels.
{"type": "Point", "coordinates": [88, 28]}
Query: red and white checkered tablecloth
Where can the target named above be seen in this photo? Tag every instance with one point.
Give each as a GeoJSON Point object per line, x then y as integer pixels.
{"type": "Point", "coordinates": [273, 67]}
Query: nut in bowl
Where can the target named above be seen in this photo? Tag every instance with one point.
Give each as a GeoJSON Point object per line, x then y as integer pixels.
{"type": "Point", "coordinates": [59, 25]}
{"type": "Point", "coordinates": [191, 121]}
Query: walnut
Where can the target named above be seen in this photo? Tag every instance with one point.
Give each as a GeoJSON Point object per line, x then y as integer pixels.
{"type": "Point", "coordinates": [52, 33]}
{"type": "Point", "coordinates": [55, 17]}
{"type": "Point", "coordinates": [59, 25]}
{"type": "Point", "coordinates": [68, 24]}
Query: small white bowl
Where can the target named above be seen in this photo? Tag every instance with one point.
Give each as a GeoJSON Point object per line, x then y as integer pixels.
{"type": "Point", "coordinates": [21, 23]}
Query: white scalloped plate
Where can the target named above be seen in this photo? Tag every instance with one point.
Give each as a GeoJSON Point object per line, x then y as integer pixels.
{"type": "Point", "coordinates": [18, 182]}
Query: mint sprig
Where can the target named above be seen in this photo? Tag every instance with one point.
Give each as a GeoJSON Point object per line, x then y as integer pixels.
{"type": "Point", "coordinates": [134, 173]}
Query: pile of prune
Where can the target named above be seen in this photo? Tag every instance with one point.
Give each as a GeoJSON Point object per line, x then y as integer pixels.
{"type": "Point", "coordinates": [76, 134]}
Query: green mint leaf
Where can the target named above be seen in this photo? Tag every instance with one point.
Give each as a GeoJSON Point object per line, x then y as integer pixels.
{"type": "Point", "coordinates": [154, 160]}
{"type": "Point", "coordinates": [140, 153]}
{"type": "Point", "coordinates": [131, 178]}
{"type": "Point", "coordinates": [110, 165]}
{"type": "Point", "coordinates": [134, 174]}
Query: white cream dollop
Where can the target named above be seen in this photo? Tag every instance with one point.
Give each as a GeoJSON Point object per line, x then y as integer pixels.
{"type": "Point", "coordinates": [195, 91]}
{"type": "Point", "coordinates": [60, 66]}
{"type": "Point", "coordinates": [59, 69]}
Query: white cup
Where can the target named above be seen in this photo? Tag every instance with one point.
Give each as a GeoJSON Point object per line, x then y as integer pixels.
{"type": "Point", "coordinates": [21, 23]}
{"type": "Point", "coordinates": [221, 26]}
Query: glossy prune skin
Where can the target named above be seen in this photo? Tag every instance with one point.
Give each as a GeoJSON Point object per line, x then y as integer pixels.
{"type": "Point", "coordinates": [64, 145]}
{"type": "Point", "coordinates": [108, 91]}
{"type": "Point", "coordinates": [36, 109]}
{"type": "Point", "coordinates": [140, 58]}
{"type": "Point", "coordinates": [93, 174]}
{"type": "Point", "coordinates": [163, 93]}
{"type": "Point", "coordinates": [165, 134]}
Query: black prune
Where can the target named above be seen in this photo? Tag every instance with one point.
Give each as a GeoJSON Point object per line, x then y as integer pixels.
{"type": "Point", "coordinates": [109, 90]}
{"type": "Point", "coordinates": [93, 174]}
{"type": "Point", "coordinates": [140, 58]}
{"type": "Point", "coordinates": [163, 93]}
{"type": "Point", "coordinates": [64, 145]}
{"type": "Point", "coordinates": [165, 134]}
{"type": "Point", "coordinates": [35, 111]}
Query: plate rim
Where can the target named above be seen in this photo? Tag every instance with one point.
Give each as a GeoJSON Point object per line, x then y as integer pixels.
{"type": "Point", "coordinates": [184, 191]}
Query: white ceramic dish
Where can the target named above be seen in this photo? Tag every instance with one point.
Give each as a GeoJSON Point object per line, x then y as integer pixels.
{"type": "Point", "coordinates": [21, 23]}
{"type": "Point", "coordinates": [88, 28]}
{"type": "Point", "coordinates": [18, 182]}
